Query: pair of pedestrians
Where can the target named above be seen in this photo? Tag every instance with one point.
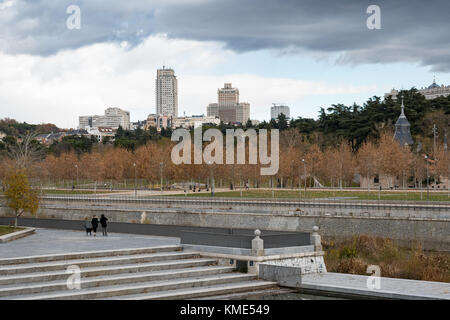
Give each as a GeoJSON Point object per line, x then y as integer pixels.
{"type": "Point", "coordinates": [92, 225]}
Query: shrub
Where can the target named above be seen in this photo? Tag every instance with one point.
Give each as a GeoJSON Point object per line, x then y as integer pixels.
{"type": "Point", "coordinates": [353, 266]}
{"type": "Point", "coordinates": [353, 255]}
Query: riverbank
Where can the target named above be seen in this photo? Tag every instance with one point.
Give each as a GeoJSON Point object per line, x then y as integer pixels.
{"type": "Point", "coordinates": [353, 255]}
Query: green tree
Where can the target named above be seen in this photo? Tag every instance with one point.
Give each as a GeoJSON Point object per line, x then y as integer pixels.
{"type": "Point", "coordinates": [120, 132]}
{"type": "Point", "coordinates": [282, 122]}
{"type": "Point", "coordinates": [125, 143]}
{"type": "Point", "coordinates": [79, 144]}
{"type": "Point", "coordinates": [20, 196]}
{"type": "Point", "coordinates": [166, 132]}
{"type": "Point", "coordinates": [106, 140]}
{"type": "Point", "coordinates": [273, 124]}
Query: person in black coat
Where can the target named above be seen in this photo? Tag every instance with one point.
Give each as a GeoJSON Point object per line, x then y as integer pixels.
{"type": "Point", "coordinates": [103, 223]}
{"type": "Point", "coordinates": [87, 226]}
{"type": "Point", "coordinates": [94, 225]}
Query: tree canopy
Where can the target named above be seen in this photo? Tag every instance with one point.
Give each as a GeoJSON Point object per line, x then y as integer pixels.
{"type": "Point", "coordinates": [20, 196]}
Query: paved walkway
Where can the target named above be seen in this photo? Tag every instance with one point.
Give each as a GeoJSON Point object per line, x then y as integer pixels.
{"type": "Point", "coordinates": [389, 287]}
{"type": "Point", "coordinates": [50, 241]}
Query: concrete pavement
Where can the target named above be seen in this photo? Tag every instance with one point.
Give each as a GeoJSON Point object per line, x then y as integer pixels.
{"type": "Point", "coordinates": [50, 241]}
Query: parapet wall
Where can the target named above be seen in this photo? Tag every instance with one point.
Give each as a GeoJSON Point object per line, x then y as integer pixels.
{"type": "Point", "coordinates": [428, 227]}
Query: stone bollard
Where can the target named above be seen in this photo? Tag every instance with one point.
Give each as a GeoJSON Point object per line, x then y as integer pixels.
{"type": "Point", "coordinates": [316, 240]}
{"type": "Point", "coordinates": [144, 218]}
{"type": "Point", "coordinates": [257, 244]}
{"type": "Point", "coordinates": [257, 250]}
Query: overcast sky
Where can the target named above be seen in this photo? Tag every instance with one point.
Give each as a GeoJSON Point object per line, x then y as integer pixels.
{"type": "Point", "coordinates": [308, 54]}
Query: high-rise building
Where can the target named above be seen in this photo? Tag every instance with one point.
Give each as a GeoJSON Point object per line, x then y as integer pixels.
{"type": "Point", "coordinates": [84, 121]}
{"type": "Point", "coordinates": [166, 93]}
{"type": "Point", "coordinates": [278, 109]}
{"type": "Point", "coordinates": [212, 110]}
{"type": "Point", "coordinates": [243, 112]}
{"type": "Point", "coordinates": [228, 96]}
{"type": "Point", "coordinates": [228, 108]}
{"type": "Point", "coordinates": [113, 118]}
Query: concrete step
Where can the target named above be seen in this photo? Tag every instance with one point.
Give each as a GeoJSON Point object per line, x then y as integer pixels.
{"type": "Point", "coordinates": [88, 254]}
{"type": "Point", "coordinates": [203, 291]}
{"type": "Point", "coordinates": [105, 261]}
{"type": "Point", "coordinates": [109, 280]}
{"type": "Point", "coordinates": [141, 288]}
{"type": "Point", "coordinates": [109, 270]}
{"type": "Point", "coordinates": [256, 294]}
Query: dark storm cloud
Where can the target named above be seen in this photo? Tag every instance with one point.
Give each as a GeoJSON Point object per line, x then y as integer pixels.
{"type": "Point", "coordinates": [39, 26]}
{"type": "Point", "coordinates": [412, 31]}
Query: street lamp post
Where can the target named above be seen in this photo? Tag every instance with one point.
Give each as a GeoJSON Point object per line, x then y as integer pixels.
{"type": "Point", "coordinates": [434, 130]}
{"type": "Point", "coordinates": [135, 181]}
{"type": "Point", "coordinates": [161, 164]}
{"type": "Point", "coordinates": [211, 175]}
{"type": "Point", "coordinates": [240, 180]}
{"type": "Point", "coordinates": [271, 186]}
{"type": "Point", "coordinates": [76, 166]}
{"type": "Point", "coordinates": [240, 169]}
{"type": "Point", "coordinates": [304, 167]}
{"type": "Point", "coordinates": [428, 180]}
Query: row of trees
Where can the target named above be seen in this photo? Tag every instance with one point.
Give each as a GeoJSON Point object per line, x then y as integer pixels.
{"type": "Point", "coordinates": [342, 142]}
{"type": "Point", "coordinates": [331, 166]}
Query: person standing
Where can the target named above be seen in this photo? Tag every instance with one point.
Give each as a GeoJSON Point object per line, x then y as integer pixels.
{"type": "Point", "coordinates": [103, 223]}
{"type": "Point", "coordinates": [94, 222]}
{"type": "Point", "coordinates": [88, 226]}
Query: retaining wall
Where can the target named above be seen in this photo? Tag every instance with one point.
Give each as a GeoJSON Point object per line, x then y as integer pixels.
{"type": "Point", "coordinates": [404, 225]}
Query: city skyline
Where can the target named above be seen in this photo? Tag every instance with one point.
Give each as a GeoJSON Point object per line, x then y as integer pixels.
{"type": "Point", "coordinates": [53, 74]}
{"type": "Point", "coordinates": [265, 108]}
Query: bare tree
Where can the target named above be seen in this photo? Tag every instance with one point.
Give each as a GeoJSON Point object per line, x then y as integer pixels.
{"type": "Point", "coordinates": [26, 151]}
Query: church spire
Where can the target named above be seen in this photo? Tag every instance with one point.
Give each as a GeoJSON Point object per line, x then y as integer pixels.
{"type": "Point", "coordinates": [403, 109]}
{"type": "Point", "coordinates": [402, 128]}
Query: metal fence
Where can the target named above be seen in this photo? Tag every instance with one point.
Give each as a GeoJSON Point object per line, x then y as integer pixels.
{"type": "Point", "coordinates": [225, 202]}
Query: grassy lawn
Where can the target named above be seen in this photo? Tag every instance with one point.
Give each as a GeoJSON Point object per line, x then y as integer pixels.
{"type": "Point", "coordinates": [354, 255]}
{"type": "Point", "coordinates": [5, 230]}
{"type": "Point", "coordinates": [313, 194]}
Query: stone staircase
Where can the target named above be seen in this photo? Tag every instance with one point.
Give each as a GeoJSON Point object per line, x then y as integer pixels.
{"type": "Point", "coordinates": [165, 272]}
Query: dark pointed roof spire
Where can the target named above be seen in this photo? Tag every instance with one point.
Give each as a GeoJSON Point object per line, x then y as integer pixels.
{"type": "Point", "coordinates": [402, 128]}
{"type": "Point", "coordinates": [402, 114]}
